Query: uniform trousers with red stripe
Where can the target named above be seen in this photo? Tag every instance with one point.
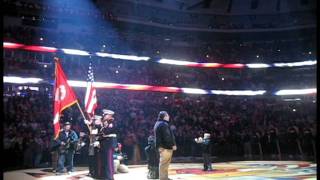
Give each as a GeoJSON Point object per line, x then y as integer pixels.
{"type": "Point", "coordinates": [106, 153]}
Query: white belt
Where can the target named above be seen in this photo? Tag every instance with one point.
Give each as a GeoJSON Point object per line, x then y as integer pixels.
{"type": "Point", "coordinates": [110, 135]}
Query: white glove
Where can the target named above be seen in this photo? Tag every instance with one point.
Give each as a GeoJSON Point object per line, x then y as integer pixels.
{"type": "Point", "coordinates": [87, 122]}
{"type": "Point", "coordinates": [200, 140]}
{"type": "Point", "coordinates": [82, 134]}
{"type": "Point", "coordinates": [174, 147]}
{"type": "Point", "coordinates": [82, 144]}
{"type": "Point", "coordinates": [94, 131]}
{"type": "Point", "coordinates": [95, 144]}
{"type": "Point", "coordinates": [119, 157]}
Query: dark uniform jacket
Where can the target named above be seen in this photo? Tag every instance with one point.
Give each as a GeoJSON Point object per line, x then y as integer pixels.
{"type": "Point", "coordinates": [206, 146]}
{"type": "Point", "coordinates": [152, 153]}
{"type": "Point", "coordinates": [164, 135]}
{"type": "Point", "coordinates": [106, 142]}
{"type": "Point", "coordinates": [91, 138]}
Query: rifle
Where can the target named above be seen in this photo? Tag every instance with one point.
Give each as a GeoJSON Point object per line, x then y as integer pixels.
{"type": "Point", "coordinates": [80, 144]}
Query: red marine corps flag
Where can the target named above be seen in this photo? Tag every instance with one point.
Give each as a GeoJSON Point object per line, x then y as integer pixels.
{"type": "Point", "coordinates": [64, 96]}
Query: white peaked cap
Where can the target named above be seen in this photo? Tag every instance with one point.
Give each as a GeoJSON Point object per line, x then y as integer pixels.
{"type": "Point", "coordinates": [107, 111]}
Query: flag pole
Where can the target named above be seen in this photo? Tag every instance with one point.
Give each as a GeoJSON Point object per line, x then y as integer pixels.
{"type": "Point", "coordinates": [83, 116]}
{"type": "Point", "coordinates": [54, 95]}
{"type": "Point", "coordinates": [81, 110]}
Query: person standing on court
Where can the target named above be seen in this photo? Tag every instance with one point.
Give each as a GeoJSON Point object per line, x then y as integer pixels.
{"type": "Point", "coordinates": [67, 140]}
{"type": "Point", "coordinates": [106, 140]}
{"type": "Point", "coordinates": [165, 143]}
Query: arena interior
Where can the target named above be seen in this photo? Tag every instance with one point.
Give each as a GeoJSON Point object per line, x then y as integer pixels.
{"type": "Point", "coordinates": [243, 71]}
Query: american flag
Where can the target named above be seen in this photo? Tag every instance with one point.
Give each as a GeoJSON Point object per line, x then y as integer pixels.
{"type": "Point", "coordinates": [90, 100]}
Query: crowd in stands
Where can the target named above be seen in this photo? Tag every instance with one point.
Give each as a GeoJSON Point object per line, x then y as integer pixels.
{"type": "Point", "coordinates": [134, 43]}
{"type": "Point", "coordinates": [158, 75]}
{"type": "Point", "coordinates": [24, 63]}
{"type": "Point", "coordinates": [163, 43]}
{"type": "Point", "coordinates": [211, 21]}
{"type": "Point", "coordinates": [231, 121]}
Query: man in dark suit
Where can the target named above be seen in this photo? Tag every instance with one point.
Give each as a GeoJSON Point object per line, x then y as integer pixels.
{"type": "Point", "coordinates": [165, 143]}
{"type": "Point", "coordinates": [67, 140]}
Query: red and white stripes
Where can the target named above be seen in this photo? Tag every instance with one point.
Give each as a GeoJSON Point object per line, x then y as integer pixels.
{"type": "Point", "coordinates": [90, 99]}
{"type": "Point", "coordinates": [138, 87]}
{"type": "Point", "coordinates": [9, 45]}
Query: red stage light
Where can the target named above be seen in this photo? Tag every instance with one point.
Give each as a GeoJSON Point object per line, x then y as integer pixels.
{"type": "Point", "coordinates": [40, 49]}
{"type": "Point", "coordinates": [12, 45]}
{"type": "Point", "coordinates": [233, 66]}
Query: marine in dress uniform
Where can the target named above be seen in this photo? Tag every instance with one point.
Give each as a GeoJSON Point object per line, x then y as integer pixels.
{"type": "Point", "coordinates": [93, 148]}
{"type": "Point", "coordinates": [107, 137]}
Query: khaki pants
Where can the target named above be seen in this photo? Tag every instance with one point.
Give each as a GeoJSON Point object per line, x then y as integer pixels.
{"type": "Point", "coordinates": [165, 159]}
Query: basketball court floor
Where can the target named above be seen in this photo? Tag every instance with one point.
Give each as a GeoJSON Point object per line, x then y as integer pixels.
{"type": "Point", "coordinates": [253, 170]}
